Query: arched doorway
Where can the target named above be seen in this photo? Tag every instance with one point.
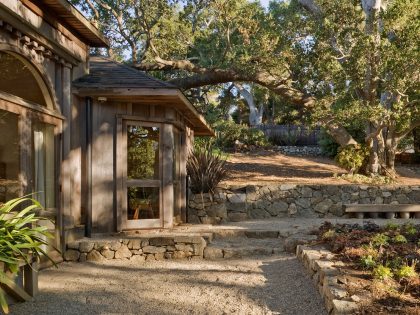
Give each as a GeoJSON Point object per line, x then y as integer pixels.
{"type": "Point", "coordinates": [29, 128]}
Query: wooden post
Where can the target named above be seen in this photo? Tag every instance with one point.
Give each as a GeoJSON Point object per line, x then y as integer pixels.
{"type": "Point", "coordinates": [30, 273]}
{"type": "Point", "coordinates": [167, 176]}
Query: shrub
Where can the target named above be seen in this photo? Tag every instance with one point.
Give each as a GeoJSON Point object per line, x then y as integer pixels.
{"type": "Point", "coordinates": [382, 272]}
{"type": "Point", "coordinates": [352, 158]}
{"type": "Point", "coordinates": [367, 262]}
{"type": "Point", "coordinates": [406, 271]}
{"type": "Point", "coordinates": [254, 136]}
{"type": "Point", "coordinates": [21, 238]}
{"type": "Point", "coordinates": [400, 239]}
{"type": "Point", "coordinates": [228, 132]}
{"type": "Point", "coordinates": [328, 146]}
{"type": "Point", "coordinates": [380, 239]}
{"type": "Point", "coordinates": [206, 170]}
{"type": "Point", "coordinates": [328, 234]}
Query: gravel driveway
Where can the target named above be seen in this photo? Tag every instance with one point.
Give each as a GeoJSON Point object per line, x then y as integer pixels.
{"type": "Point", "coordinates": [272, 285]}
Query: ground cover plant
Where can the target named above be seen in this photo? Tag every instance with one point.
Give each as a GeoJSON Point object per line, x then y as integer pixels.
{"type": "Point", "coordinates": [382, 264]}
{"type": "Point", "coordinates": [21, 239]}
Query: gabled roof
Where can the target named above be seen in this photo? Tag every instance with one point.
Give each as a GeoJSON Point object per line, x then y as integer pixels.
{"type": "Point", "coordinates": [117, 81]}
{"type": "Point", "coordinates": [106, 73]}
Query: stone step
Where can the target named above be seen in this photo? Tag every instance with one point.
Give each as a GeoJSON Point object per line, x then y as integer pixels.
{"type": "Point", "coordinates": [242, 247]}
{"type": "Point", "coordinates": [248, 233]}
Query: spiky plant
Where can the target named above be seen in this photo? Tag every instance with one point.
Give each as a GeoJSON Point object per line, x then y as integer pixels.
{"type": "Point", "coordinates": [206, 170]}
{"type": "Point", "coordinates": [21, 238]}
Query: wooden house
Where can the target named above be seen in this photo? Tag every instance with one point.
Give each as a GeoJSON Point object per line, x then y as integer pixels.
{"type": "Point", "coordinates": [101, 145]}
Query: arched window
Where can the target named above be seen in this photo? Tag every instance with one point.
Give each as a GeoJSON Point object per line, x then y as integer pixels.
{"type": "Point", "coordinates": [19, 78]}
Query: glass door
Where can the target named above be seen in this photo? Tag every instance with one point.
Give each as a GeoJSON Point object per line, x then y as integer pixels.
{"type": "Point", "coordinates": [142, 180]}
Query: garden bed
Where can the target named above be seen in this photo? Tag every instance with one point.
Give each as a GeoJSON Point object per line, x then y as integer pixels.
{"type": "Point", "coordinates": [379, 266]}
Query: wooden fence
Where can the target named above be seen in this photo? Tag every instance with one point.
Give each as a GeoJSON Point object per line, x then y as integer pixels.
{"type": "Point", "coordinates": [291, 134]}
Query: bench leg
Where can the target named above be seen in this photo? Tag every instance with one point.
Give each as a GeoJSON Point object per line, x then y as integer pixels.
{"type": "Point", "coordinates": [405, 215]}
{"type": "Point", "coordinates": [360, 215]}
{"type": "Point", "coordinates": [390, 215]}
{"type": "Point", "coordinates": [374, 215]}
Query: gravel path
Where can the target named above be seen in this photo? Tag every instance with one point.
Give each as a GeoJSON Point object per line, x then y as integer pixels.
{"type": "Point", "coordinates": [272, 285]}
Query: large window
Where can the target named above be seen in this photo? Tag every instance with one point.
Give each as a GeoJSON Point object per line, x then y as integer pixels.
{"type": "Point", "coordinates": [44, 164]}
{"type": "Point", "coordinates": [18, 79]}
{"type": "Point", "coordinates": [9, 156]}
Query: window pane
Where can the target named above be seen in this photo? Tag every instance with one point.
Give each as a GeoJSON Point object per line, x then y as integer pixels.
{"type": "Point", "coordinates": [142, 152]}
{"type": "Point", "coordinates": [44, 164]}
{"type": "Point", "coordinates": [143, 203]}
{"type": "Point", "coordinates": [9, 156]}
{"type": "Point", "coordinates": [17, 79]}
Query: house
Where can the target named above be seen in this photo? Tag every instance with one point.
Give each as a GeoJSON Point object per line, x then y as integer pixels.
{"type": "Point", "coordinates": [103, 146]}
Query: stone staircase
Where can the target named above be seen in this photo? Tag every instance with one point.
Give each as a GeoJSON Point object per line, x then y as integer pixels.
{"type": "Point", "coordinates": [231, 244]}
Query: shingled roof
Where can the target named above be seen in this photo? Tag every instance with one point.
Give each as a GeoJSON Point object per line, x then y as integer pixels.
{"type": "Point", "coordinates": [116, 81]}
{"type": "Point", "coordinates": [106, 73]}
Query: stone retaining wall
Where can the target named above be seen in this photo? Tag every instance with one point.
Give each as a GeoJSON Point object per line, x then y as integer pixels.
{"type": "Point", "coordinates": [137, 249]}
{"type": "Point", "coordinates": [326, 276]}
{"type": "Point", "coordinates": [288, 200]}
{"type": "Point", "coordinates": [307, 150]}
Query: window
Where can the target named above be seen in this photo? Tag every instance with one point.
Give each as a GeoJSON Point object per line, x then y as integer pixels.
{"type": "Point", "coordinates": [9, 156]}
{"type": "Point", "coordinates": [18, 79]}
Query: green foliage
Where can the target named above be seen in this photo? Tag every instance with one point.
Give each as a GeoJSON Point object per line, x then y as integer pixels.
{"type": "Point", "coordinates": [21, 237]}
{"type": "Point", "coordinates": [328, 234]}
{"type": "Point", "coordinates": [399, 239]}
{"type": "Point", "coordinates": [391, 226]}
{"type": "Point", "coordinates": [367, 262]}
{"type": "Point", "coordinates": [363, 179]}
{"type": "Point", "coordinates": [406, 271]}
{"type": "Point", "coordinates": [380, 239]}
{"type": "Point", "coordinates": [228, 132]}
{"type": "Point", "coordinates": [352, 158]}
{"type": "Point", "coordinates": [327, 143]}
{"type": "Point", "coordinates": [206, 170]}
{"type": "Point", "coordinates": [382, 272]}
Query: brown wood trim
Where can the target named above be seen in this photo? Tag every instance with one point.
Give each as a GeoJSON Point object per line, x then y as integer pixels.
{"type": "Point", "coordinates": [9, 98]}
{"type": "Point", "coordinates": [53, 22]}
{"type": "Point", "coordinates": [152, 120]}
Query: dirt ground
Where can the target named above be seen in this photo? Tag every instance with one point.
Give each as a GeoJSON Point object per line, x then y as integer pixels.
{"type": "Point", "coordinates": [271, 285]}
{"type": "Point", "coordinates": [260, 167]}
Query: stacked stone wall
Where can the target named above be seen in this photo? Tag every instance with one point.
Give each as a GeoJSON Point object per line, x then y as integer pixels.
{"type": "Point", "coordinates": [289, 200]}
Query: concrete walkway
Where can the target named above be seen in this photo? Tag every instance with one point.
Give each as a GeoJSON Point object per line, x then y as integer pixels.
{"type": "Point", "coordinates": [274, 285]}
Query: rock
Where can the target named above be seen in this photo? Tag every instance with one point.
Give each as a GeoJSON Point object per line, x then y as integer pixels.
{"type": "Point", "coordinates": [306, 192]}
{"type": "Point", "coordinates": [108, 254]}
{"type": "Point", "coordinates": [73, 245]}
{"type": "Point", "coordinates": [160, 256]}
{"type": "Point", "coordinates": [86, 246]}
{"type": "Point", "coordinates": [184, 248]}
{"type": "Point", "coordinates": [179, 254]}
{"type": "Point", "coordinates": [95, 256]}
{"type": "Point", "coordinates": [114, 245]}
{"type": "Point", "coordinates": [123, 252]}
{"type": "Point", "coordinates": [217, 210]}
{"type": "Point", "coordinates": [262, 234]}
{"type": "Point", "coordinates": [161, 241]}
{"type": "Point", "coordinates": [83, 257]}
{"type": "Point", "coordinates": [213, 253]}
{"type": "Point", "coordinates": [277, 208]}
{"type": "Point", "coordinates": [150, 257]}
{"type": "Point", "coordinates": [259, 214]}
{"type": "Point", "coordinates": [210, 220]}
{"type": "Point", "coordinates": [188, 239]}
{"type": "Point", "coordinates": [134, 244]}
{"type": "Point", "coordinates": [341, 307]}
{"type": "Point", "coordinates": [99, 245]}
{"type": "Point", "coordinates": [153, 250]}
{"type": "Point", "coordinates": [292, 209]}
{"type": "Point", "coordinates": [355, 298]}
{"type": "Point", "coordinates": [71, 255]}
{"type": "Point", "coordinates": [303, 203]}
{"type": "Point", "coordinates": [136, 251]}
{"type": "Point", "coordinates": [379, 200]}
{"type": "Point", "coordinates": [193, 219]}
{"type": "Point", "coordinates": [293, 241]}
{"type": "Point", "coordinates": [386, 194]}
{"type": "Point", "coordinates": [137, 258]}
{"type": "Point", "coordinates": [323, 206]}
{"type": "Point", "coordinates": [287, 187]}
{"type": "Point", "coordinates": [237, 207]}
{"type": "Point", "coordinates": [237, 216]}
{"type": "Point", "coordinates": [237, 198]}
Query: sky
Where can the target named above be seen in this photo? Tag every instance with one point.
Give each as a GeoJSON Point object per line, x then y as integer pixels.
{"type": "Point", "coordinates": [265, 2]}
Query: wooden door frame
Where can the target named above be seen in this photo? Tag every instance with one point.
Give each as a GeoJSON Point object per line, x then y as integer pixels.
{"type": "Point", "coordinates": [121, 173]}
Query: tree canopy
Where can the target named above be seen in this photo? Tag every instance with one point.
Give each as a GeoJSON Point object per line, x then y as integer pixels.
{"type": "Point", "coordinates": [344, 62]}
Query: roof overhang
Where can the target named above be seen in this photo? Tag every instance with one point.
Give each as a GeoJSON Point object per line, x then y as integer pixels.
{"type": "Point", "coordinates": [152, 96]}
{"type": "Point", "coordinates": [66, 12]}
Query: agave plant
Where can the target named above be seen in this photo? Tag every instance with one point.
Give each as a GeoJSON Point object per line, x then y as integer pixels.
{"type": "Point", "coordinates": [206, 170]}
{"type": "Point", "coordinates": [21, 238]}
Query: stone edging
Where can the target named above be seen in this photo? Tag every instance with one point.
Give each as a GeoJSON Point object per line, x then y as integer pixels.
{"type": "Point", "coordinates": [137, 249]}
{"type": "Point", "coordinates": [326, 276]}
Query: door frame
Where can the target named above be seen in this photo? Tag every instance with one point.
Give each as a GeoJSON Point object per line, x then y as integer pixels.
{"type": "Point", "coordinates": [125, 183]}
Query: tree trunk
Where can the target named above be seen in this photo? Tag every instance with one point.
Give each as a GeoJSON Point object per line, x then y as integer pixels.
{"type": "Point", "coordinates": [255, 114]}
{"type": "Point", "coordinates": [416, 136]}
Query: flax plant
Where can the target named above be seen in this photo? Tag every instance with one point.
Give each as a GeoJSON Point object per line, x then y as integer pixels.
{"type": "Point", "coordinates": [21, 239]}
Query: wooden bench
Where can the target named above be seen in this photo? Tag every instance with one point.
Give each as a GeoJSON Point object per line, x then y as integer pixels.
{"type": "Point", "coordinates": [390, 211]}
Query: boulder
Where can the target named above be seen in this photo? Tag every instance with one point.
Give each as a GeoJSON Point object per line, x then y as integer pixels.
{"type": "Point", "coordinates": [86, 246]}
{"type": "Point", "coordinates": [323, 206]}
{"type": "Point", "coordinates": [71, 255]}
{"type": "Point", "coordinates": [213, 253]}
{"type": "Point", "coordinates": [123, 252]}
{"type": "Point", "coordinates": [94, 256]}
